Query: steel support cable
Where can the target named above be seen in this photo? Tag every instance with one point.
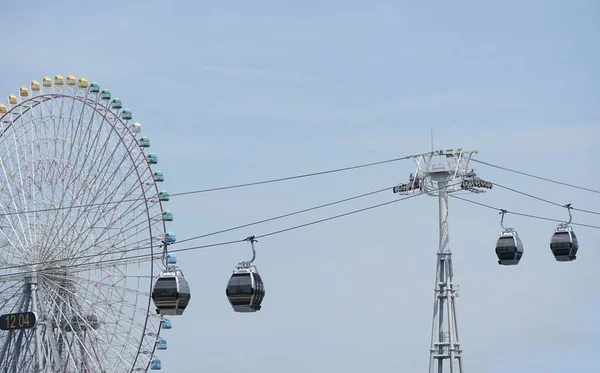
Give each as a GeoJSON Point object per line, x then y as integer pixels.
{"type": "Point", "coordinates": [338, 216]}
{"type": "Point", "coordinates": [537, 177]}
{"type": "Point", "coordinates": [90, 256]}
{"type": "Point", "coordinates": [197, 247]}
{"type": "Point", "coordinates": [284, 215]}
{"type": "Point", "coordinates": [522, 214]}
{"type": "Point", "coordinates": [294, 177]}
{"type": "Point", "coordinates": [302, 211]}
{"type": "Point", "coordinates": [147, 257]}
{"type": "Point", "coordinates": [93, 265]}
{"type": "Point", "coordinates": [543, 199]}
{"type": "Point", "coordinates": [218, 188]}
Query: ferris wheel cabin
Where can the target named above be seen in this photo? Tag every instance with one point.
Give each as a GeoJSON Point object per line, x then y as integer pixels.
{"type": "Point", "coordinates": [156, 364]}
{"type": "Point", "coordinates": [166, 324]}
{"type": "Point", "coordinates": [161, 344]}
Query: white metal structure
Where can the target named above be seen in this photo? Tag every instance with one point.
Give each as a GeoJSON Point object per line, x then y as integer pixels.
{"type": "Point", "coordinates": [439, 173]}
{"type": "Point", "coordinates": [81, 230]}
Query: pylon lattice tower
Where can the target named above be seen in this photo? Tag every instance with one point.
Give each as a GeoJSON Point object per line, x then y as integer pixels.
{"type": "Point", "coordinates": [439, 173]}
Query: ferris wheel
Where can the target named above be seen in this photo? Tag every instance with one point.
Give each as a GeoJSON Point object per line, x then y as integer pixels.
{"type": "Point", "coordinates": [82, 233]}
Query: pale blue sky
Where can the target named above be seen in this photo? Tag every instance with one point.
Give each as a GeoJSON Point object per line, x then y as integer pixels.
{"type": "Point", "coordinates": [236, 91]}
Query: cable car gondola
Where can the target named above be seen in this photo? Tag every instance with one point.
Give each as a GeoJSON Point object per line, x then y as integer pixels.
{"type": "Point", "coordinates": [245, 290]}
{"type": "Point", "coordinates": [509, 247]}
{"type": "Point", "coordinates": [563, 243]}
{"type": "Point", "coordinates": [171, 293]}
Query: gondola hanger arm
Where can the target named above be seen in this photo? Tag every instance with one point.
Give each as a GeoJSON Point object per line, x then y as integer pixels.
{"type": "Point", "coordinates": [252, 240]}
{"type": "Point", "coordinates": [569, 208]}
{"type": "Point", "coordinates": [502, 212]}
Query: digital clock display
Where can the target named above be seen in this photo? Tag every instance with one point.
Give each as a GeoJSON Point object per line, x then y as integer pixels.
{"type": "Point", "coordinates": [15, 321]}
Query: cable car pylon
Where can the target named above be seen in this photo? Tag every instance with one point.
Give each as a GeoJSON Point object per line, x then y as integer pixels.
{"type": "Point", "coordinates": [439, 173]}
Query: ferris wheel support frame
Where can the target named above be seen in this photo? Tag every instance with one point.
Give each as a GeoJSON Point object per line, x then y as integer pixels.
{"type": "Point", "coordinates": [32, 282]}
{"type": "Point", "coordinates": [439, 178]}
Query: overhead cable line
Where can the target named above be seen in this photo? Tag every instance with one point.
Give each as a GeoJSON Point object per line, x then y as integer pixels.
{"type": "Point", "coordinates": [522, 214]}
{"type": "Point", "coordinates": [140, 256]}
{"type": "Point", "coordinates": [338, 216]}
{"type": "Point", "coordinates": [212, 189]}
{"type": "Point", "coordinates": [284, 215]}
{"type": "Point", "coordinates": [543, 199]}
{"type": "Point", "coordinates": [148, 257]}
{"type": "Point", "coordinates": [90, 256]}
{"type": "Point", "coordinates": [290, 177]}
{"type": "Point", "coordinates": [92, 265]}
{"type": "Point", "coordinates": [537, 177]}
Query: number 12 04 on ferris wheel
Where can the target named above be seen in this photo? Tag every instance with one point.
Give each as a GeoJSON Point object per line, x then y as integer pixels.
{"type": "Point", "coordinates": [14, 321]}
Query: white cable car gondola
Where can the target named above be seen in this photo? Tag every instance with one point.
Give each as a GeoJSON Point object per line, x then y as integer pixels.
{"type": "Point", "coordinates": [563, 243]}
{"type": "Point", "coordinates": [509, 247]}
{"type": "Point", "coordinates": [171, 293]}
{"type": "Point", "coordinates": [246, 290]}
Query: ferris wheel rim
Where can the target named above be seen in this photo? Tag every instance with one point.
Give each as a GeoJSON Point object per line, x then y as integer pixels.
{"type": "Point", "coordinates": [36, 100]}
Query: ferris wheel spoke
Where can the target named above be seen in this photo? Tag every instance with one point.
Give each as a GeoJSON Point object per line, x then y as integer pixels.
{"type": "Point", "coordinates": [105, 182]}
{"type": "Point", "coordinates": [87, 201]}
{"type": "Point", "coordinates": [75, 171]}
{"type": "Point", "coordinates": [114, 320]}
{"type": "Point", "coordinates": [109, 226]}
{"type": "Point", "coordinates": [31, 168]}
{"type": "Point", "coordinates": [79, 267]}
{"type": "Point", "coordinates": [114, 203]}
{"type": "Point", "coordinates": [54, 335]}
{"type": "Point", "coordinates": [114, 286]}
{"type": "Point", "coordinates": [142, 200]}
{"type": "Point", "coordinates": [76, 129]}
{"type": "Point", "coordinates": [12, 200]}
{"type": "Point", "coordinates": [22, 188]}
{"type": "Point", "coordinates": [37, 132]}
{"type": "Point", "coordinates": [104, 148]}
{"type": "Point", "coordinates": [22, 148]}
{"type": "Point", "coordinates": [11, 243]}
{"type": "Point", "coordinates": [75, 324]}
{"type": "Point", "coordinates": [61, 135]}
{"type": "Point", "coordinates": [66, 106]}
{"type": "Point", "coordinates": [131, 230]}
{"type": "Point", "coordinates": [10, 295]}
{"type": "Point", "coordinates": [68, 344]}
{"type": "Point", "coordinates": [84, 139]}
{"type": "Point", "coordinates": [126, 196]}
{"type": "Point", "coordinates": [124, 261]}
{"type": "Point", "coordinates": [122, 336]}
{"type": "Point", "coordinates": [83, 145]}
{"type": "Point", "coordinates": [3, 248]}
{"type": "Point", "coordinates": [49, 338]}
